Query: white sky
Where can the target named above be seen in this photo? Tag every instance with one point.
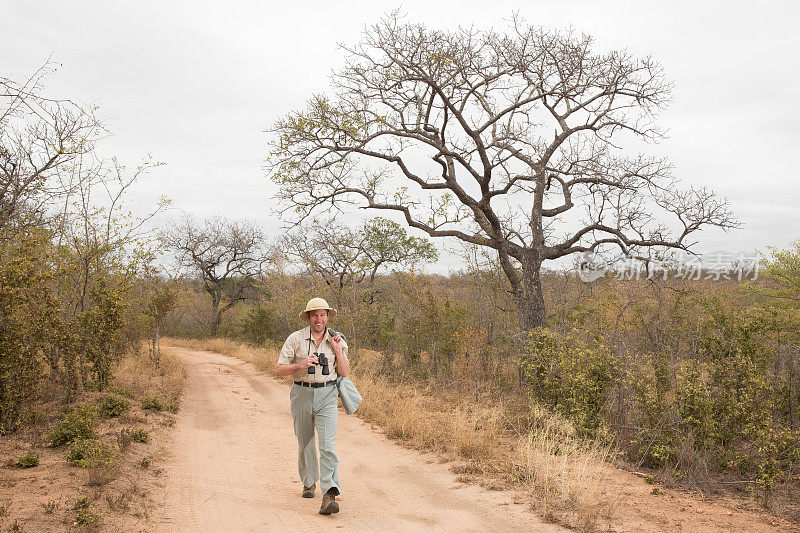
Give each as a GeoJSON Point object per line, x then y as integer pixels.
{"type": "Point", "coordinates": [197, 83]}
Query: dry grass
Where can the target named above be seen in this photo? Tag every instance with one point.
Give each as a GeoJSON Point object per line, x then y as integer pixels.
{"type": "Point", "coordinates": [439, 419]}
{"type": "Point", "coordinates": [565, 474]}
{"type": "Point", "coordinates": [262, 358]}
{"type": "Point", "coordinates": [562, 473]}
{"type": "Point", "coordinates": [136, 374]}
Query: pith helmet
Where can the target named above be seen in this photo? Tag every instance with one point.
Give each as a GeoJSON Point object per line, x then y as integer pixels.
{"type": "Point", "coordinates": [315, 304]}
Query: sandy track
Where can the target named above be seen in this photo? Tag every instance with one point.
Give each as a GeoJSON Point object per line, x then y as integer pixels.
{"type": "Point", "coordinates": [233, 467]}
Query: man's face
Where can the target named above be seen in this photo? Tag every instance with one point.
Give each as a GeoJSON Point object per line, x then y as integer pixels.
{"type": "Point", "coordinates": [318, 320]}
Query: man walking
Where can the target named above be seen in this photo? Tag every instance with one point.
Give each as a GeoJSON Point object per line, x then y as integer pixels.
{"type": "Point", "coordinates": [315, 357]}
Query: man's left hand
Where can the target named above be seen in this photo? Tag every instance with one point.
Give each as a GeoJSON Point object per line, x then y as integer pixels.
{"type": "Point", "coordinates": [337, 342]}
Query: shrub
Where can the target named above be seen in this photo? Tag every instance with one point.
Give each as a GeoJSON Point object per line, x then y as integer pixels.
{"type": "Point", "coordinates": [570, 376]}
{"type": "Point", "coordinates": [28, 460]}
{"type": "Point", "coordinates": [90, 453]}
{"type": "Point", "coordinates": [140, 435]}
{"type": "Point", "coordinates": [172, 403]}
{"type": "Point", "coordinates": [259, 324]}
{"type": "Point", "coordinates": [84, 502]}
{"type": "Point", "coordinates": [28, 317]}
{"type": "Point", "coordinates": [112, 406]}
{"type": "Point", "coordinates": [99, 325]}
{"type": "Point", "coordinates": [83, 513]}
{"type": "Point", "coordinates": [78, 423]}
{"type": "Point", "coordinates": [153, 403]}
{"type": "Point", "coordinates": [119, 391]}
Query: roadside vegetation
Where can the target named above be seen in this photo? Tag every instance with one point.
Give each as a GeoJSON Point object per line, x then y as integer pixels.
{"type": "Point", "coordinates": [79, 296]}
{"type": "Point", "coordinates": [93, 462]}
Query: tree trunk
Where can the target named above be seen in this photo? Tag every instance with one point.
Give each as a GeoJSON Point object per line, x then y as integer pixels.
{"type": "Point", "coordinates": [215, 322]}
{"type": "Point", "coordinates": [216, 314]}
{"type": "Point", "coordinates": [157, 347]}
{"type": "Point", "coordinates": [530, 300]}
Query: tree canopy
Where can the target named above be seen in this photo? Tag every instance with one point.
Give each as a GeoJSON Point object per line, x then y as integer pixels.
{"type": "Point", "coordinates": [511, 141]}
{"type": "Point", "coordinates": [341, 255]}
{"type": "Point", "coordinates": [228, 256]}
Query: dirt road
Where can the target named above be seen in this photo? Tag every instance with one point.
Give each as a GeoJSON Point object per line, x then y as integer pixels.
{"type": "Point", "coordinates": [233, 467]}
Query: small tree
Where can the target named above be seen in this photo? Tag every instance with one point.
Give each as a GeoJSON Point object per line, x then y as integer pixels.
{"type": "Point", "coordinates": [782, 269]}
{"type": "Point", "coordinates": [54, 188]}
{"type": "Point", "coordinates": [342, 256]}
{"type": "Point", "coordinates": [28, 320]}
{"type": "Point", "coordinates": [160, 303]}
{"type": "Point", "coordinates": [227, 255]}
{"type": "Point", "coordinates": [506, 141]}
{"type": "Point", "coordinates": [386, 243]}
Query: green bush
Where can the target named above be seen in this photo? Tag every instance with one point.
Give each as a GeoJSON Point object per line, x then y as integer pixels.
{"type": "Point", "coordinates": [429, 328]}
{"type": "Point", "coordinates": [28, 460]}
{"type": "Point", "coordinates": [140, 435]}
{"type": "Point", "coordinates": [259, 324]}
{"type": "Point", "coordinates": [84, 502]}
{"type": "Point", "coordinates": [28, 314]}
{"type": "Point", "coordinates": [153, 403]}
{"type": "Point", "coordinates": [112, 406]}
{"type": "Point", "coordinates": [78, 423]}
{"type": "Point", "coordinates": [720, 401]}
{"type": "Point", "coordinates": [99, 325]}
{"type": "Point", "coordinates": [90, 453]}
{"type": "Point", "coordinates": [570, 376]}
{"type": "Point", "coordinates": [83, 514]}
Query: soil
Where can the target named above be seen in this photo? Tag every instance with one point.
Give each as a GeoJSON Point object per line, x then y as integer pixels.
{"type": "Point", "coordinates": [41, 498]}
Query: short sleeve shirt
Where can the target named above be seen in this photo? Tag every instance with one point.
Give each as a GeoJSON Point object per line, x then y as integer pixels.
{"type": "Point", "coordinates": [297, 347]}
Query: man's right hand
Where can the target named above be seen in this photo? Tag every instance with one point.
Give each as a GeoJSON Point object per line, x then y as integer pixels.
{"type": "Point", "coordinates": [308, 361]}
{"type": "Point", "coordinates": [288, 370]}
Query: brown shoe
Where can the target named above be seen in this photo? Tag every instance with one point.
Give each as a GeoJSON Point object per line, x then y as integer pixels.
{"type": "Point", "coordinates": [308, 492]}
{"type": "Point", "coordinates": [329, 503]}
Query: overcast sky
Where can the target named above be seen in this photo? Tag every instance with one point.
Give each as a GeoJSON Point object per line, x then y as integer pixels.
{"type": "Point", "coordinates": [195, 84]}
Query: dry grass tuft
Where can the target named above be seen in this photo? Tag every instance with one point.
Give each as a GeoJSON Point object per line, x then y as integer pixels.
{"type": "Point", "coordinates": [262, 358]}
{"type": "Point", "coordinates": [136, 374]}
{"type": "Point", "coordinates": [119, 502]}
{"type": "Point", "coordinates": [565, 475]}
{"type": "Point", "coordinates": [98, 476]}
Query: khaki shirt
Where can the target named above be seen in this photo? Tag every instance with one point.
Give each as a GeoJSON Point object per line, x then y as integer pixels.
{"type": "Point", "coordinates": [297, 347]}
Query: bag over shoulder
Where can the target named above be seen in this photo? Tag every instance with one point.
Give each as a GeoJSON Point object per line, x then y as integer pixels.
{"type": "Point", "coordinates": [351, 399]}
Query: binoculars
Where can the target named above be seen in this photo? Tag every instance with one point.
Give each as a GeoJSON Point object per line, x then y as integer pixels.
{"type": "Point", "coordinates": [323, 362]}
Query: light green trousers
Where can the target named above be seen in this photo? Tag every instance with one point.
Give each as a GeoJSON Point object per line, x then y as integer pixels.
{"type": "Point", "coordinates": [316, 409]}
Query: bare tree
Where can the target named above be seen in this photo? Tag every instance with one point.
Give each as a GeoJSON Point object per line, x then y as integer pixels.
{"type": "Point", "coordinates": [38, 136]}
{"type": "Point", "coordinates": [507, 141]}
{"type": "Point", "coordinates": [160, 303]}
{"type": "Point", "coordinates": [228, 256]}
{"type": "Point", "coordinates": [343, 256]}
